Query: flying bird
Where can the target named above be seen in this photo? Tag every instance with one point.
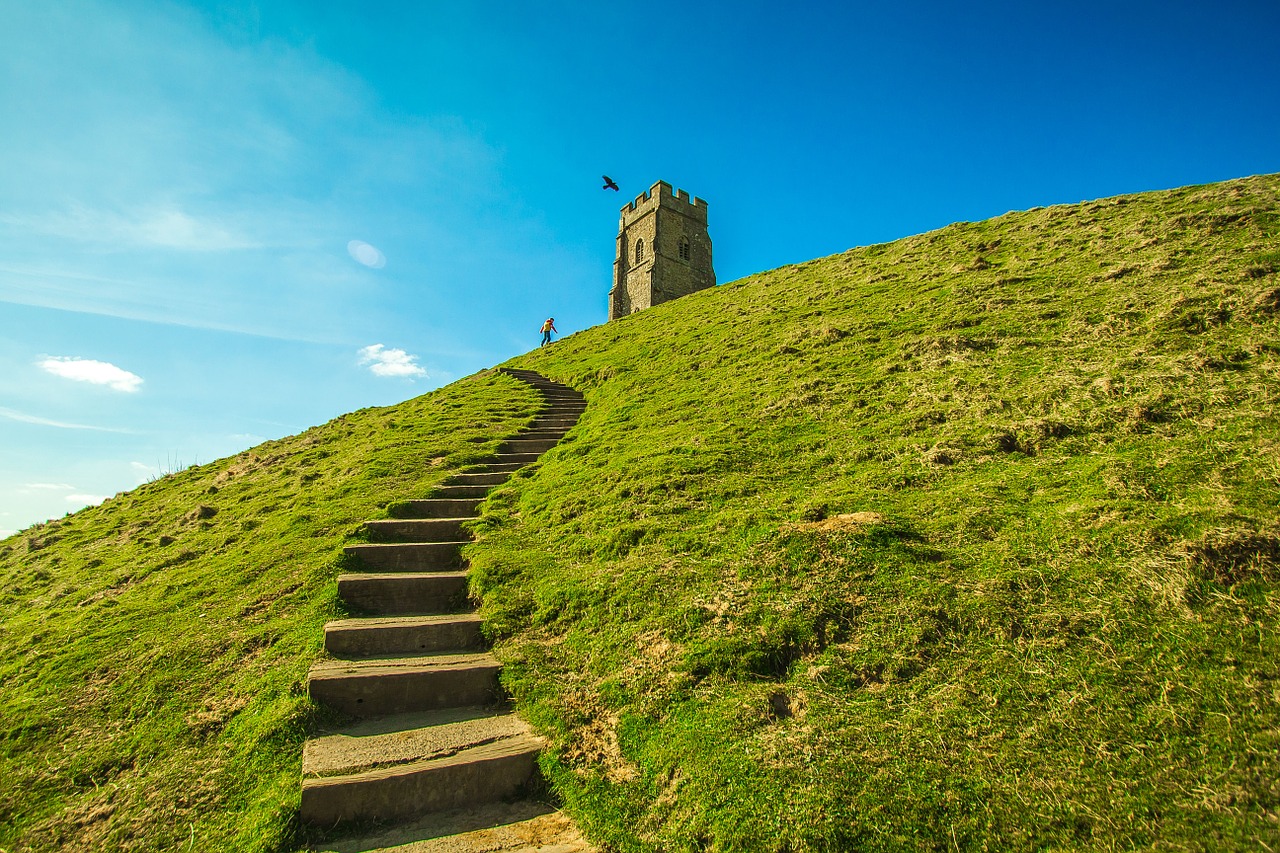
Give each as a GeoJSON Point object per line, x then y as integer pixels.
{"type": "Point", "coordinates": [609, 184]}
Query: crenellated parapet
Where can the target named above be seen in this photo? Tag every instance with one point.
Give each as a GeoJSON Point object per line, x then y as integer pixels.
{"type": "Point", "coordinates": [661, 194]}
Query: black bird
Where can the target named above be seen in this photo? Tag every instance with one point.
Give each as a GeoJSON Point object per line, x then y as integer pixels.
{"type": "Point", "coordinates": [609, 184]}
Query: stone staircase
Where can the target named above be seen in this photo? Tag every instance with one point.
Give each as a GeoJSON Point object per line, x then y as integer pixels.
{"type": "Point", "coordinates": [432, 742]}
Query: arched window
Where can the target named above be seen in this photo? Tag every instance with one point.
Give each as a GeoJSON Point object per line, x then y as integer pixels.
{"type": "Point", "coordinates": [639, 251]}
{"type": "Point", "coordinates": [684, 248]}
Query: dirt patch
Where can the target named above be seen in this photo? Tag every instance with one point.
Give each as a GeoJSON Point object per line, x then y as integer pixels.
{"type": "Point", "coordinates": [1233, 555]}
{"type": "Point", "coordinates": [202, 512]}
{"type": "Point", "coordinates": [595, 745]}
{"type": "Point", "coordinates": [844, 521]}
{"type": "Point", "coordinates": [211, 719]}
{"type": "Point", "coordinates": [1267, 302]}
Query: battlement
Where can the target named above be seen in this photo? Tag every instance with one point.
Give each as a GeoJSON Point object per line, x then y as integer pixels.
{"type": "Point", "coordinates": [661, 194]}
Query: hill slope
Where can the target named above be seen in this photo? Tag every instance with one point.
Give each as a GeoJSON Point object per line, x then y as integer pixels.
{"type": "Point", "coordinates": [154, 649]}
{"type": "Point", "coordinates": [965, 540]}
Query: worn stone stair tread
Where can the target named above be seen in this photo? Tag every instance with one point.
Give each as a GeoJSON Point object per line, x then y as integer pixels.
{"type": "Point", "coordinates": [479, 478]}
{"type": "Point", "coordinates": [483, 467]}
{"type": "Point", "coordinates": [404, 593]}
{"type": "Point", "coordinates": [374, 622]}
{"type": "Point", "coordinates": [374, 636]}
{"type": "Point", "coordinates": [365, 577]}
{"type": "Point", "coordinates": [399, 665]}
{"type": "Point", "coordinates": [411, 531]}
{"type": "Point", "coordinates": [380, 686]}
{"type": "Point", "coordinates": [484, 773]}
{"type": "Point", "coordinates": [409, 556]}
{"type": "Point", "coordinates": [388, 546]}
{"type": "Point", "coordinates": [450, 491]}
{"type": "Point", "coordinates": [436, 508]}
{"type": "Point", "coordinates": [524, 826]}
{"type": "Point", "coordinates": [407, 738]}
{"type": "Point", "coordinates": [517, 744]}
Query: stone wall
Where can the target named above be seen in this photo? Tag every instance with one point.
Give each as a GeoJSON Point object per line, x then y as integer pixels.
{"type": "Point", "coordinates": [663, 222]}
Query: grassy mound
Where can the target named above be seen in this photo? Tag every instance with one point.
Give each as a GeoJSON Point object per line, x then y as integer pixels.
{"type": "Point", "coordinates": [153, 650]}
{"type": "Point", "coordinates": [967, 540]}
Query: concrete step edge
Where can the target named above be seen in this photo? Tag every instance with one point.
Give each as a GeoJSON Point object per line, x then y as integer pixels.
{"type": "Point", "coordinates": [406, 738]}
{"type": "Point", "coordinates": [377, 622]}
{"type": "Point", "coordinates": [487, 774]}
{"type": "Point", "coordinates": [528, 743]}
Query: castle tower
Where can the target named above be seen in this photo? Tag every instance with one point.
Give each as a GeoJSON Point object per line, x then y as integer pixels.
{"type": "Point", "coordinates": [664, 251]}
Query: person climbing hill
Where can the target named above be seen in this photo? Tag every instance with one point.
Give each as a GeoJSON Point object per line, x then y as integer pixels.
{"type": "Point", "coordinates": [547, 328]}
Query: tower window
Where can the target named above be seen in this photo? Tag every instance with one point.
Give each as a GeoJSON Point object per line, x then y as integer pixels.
{"type": "Point", "coordinates": [684, 248]}
{"type": "Point", "coordinates": [639, 251]}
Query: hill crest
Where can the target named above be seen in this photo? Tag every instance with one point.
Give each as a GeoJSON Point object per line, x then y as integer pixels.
{"type": "Point", "coordinates": [1053, 624]}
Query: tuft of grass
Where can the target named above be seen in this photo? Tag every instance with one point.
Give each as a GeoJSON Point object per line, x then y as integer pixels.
{"type": "Point", "coordinates": [154, 649]}
{"type": "Point", "coordinates": [965, 541]}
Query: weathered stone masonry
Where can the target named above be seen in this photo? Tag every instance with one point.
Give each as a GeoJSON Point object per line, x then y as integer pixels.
{"type": "Point", "coordinates": [664, 251]}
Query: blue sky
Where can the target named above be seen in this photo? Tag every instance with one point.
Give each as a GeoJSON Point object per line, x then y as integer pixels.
{"type": "Point", "coordinates": [226, 222]}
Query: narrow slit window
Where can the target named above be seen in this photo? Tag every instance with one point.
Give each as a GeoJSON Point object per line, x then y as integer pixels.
{"type": "Point", "coordinates": [639, 251]}
{"type": "Point", "coordinates": [684, 248]}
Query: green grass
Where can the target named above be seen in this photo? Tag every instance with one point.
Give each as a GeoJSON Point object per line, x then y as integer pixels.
{"type": "Point", "coordinates": [966, 541]}
{"type": "Point", "coordinates": [154, 649]}
{"type": "Point", "coordinates": [1048, 619]}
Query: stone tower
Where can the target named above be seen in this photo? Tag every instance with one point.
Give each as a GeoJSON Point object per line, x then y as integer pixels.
{"type": "Point", "coordinates": [664, 251]}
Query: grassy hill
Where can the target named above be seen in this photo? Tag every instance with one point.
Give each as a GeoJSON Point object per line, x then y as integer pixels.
{"type": "Point", "coordinates": [154, 649]}
{"type": "Point", "coordinates": [965, 541]}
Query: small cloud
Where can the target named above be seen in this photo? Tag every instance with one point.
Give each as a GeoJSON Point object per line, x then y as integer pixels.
{"type": "Point", "coordinates": [390, 362]}
{"type": "Point", "coordinates": [95, 372]}
{"type": "Point", "coordinates": [21, 417]}
{"type": "Point", "coordinates": [50, 487]}
{"type": "Point", "coordinates": [166, 228]}
{"type": "Point", "coordinates": [85, 500]}
{"type": "Point", "coordinates": [366, 254]}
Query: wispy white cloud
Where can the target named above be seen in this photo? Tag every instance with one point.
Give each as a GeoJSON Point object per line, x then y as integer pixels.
{"type": "Point", "coordinates": [93, 372]}
{"type": "Point", "coordinates": [368, 255]}
{"type": "Point", "coordinates": [22, 417]}
{"type": "Point", "coordinates": [51, 487]}
{"type": "Point", "coordinates": [85, 500]}
{"type": "Point", "coordinates": [162, 172]}
{"type": "Point", "coordinates": [390, 362]}
{"type": "Point", "coordinates": [149, 228]}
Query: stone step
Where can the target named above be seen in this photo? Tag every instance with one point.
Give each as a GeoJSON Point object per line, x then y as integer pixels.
{"type": "Point", "coordinates": [479, 478]}
{"type": "Point", "coordinates": [523, 458]}
{"type": "Point", "coordinates": [527, 445]}
{"type": "Point", "coordinates": [355, 638]}
{"type": "Point", "coordinates": [417, 530]}
{"type": "Point", "coordinates": [480, 774]}
{"type": "Point", "coordinates": [408, 556]}
{"type": "Point", "coordinates": [523, 826]}
{"type": "Point", "coordinates": [455, 492]}
{"type": "Point", "coordinates": [402, 738]}
{"type": "Point", "coordinates": [404, 593]}
{"type": "Point", "coordinates": [556, 433]}
{"type": "Point", "coordinates": [436, 508]}
{"type": "Point", "coordinates": [379, 687]}
{"type": "Point", "coordinates": [485, 467]}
